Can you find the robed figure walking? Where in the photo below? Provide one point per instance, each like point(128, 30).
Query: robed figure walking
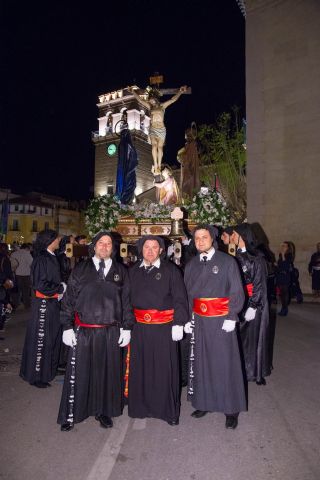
point(41, 350)
point(160, 307)
point(97, 318)
point(254, 326)
point(215, 293)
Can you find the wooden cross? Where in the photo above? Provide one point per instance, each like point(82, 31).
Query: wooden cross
point(157, 79)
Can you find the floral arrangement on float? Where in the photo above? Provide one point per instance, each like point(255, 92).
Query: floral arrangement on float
point(208, 206)
point(105, 212)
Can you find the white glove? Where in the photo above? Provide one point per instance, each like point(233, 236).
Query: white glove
point(69, 338)
point(177, 333)
point(60, 297)
point(250, 314)
point(125, 337)
point(229, 325)
point(188, 327)
point(170, 250)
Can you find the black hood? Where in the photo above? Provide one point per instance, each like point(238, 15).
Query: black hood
point(97, 237)
point(246, 233)
point(214, 232)
point(143, 239)
point(43, 240)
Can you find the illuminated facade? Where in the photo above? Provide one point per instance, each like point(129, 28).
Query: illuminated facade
point(115, 108)
point(28, 215)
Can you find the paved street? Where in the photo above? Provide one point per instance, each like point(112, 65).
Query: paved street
point(278, 439)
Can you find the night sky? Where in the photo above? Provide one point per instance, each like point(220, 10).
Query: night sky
point(57, 57)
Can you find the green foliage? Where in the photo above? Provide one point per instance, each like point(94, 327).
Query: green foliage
point(222, 153)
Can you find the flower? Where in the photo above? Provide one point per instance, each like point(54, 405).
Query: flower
point(209, 207)
point(104, 213)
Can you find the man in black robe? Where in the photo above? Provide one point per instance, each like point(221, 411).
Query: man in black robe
point(254, 325)
point(314, 271)
point(97, 318)
point(160, 306)
point(216, 297)
point(41, 350)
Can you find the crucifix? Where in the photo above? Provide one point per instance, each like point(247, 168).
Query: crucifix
point(157, 129)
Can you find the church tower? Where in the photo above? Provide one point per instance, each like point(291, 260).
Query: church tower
point(116, 108)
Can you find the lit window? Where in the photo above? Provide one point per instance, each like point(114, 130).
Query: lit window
point(110, 189)
point(15, 225)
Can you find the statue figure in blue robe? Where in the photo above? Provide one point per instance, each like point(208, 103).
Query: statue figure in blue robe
point(127, 163)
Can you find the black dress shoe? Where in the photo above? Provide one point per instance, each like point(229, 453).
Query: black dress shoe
point(105, 422)
point(41, 384)
point(199, 413)
point(231, 421)
point(261, 382)
point(173, 422)
point(66, 427)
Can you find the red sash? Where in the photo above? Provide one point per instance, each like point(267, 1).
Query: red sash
point(78, 323)
point(153, 316)
point(249, 289)
point(211, 307)
point(41, 295)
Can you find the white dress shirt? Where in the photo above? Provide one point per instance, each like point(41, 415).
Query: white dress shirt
point(208, 254)
point(107, 263)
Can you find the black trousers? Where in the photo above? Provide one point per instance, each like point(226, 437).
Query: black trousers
point(23, 284)
point(284, 296)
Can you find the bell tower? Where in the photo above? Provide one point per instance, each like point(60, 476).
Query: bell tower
point(116, 109)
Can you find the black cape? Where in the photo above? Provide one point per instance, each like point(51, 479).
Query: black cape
point(41, 350)
point(154, 386)
point(217, 377)
point(94, 377)
point(255, 333)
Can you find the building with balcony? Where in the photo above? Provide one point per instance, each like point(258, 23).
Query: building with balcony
point(31, 213)
point(115, 108)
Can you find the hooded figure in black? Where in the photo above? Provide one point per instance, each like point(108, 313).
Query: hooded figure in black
point(64, 261)
point(254, 327)
point(65, 271)
point(216, 297)
point(41, 350)
point(97, 318)
point(160, 306)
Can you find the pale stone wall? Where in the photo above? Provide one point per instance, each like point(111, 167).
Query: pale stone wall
point(283, 118)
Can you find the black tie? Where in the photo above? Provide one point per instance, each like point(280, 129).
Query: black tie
point(204, 259)
point(101, 269)
point(148, 268)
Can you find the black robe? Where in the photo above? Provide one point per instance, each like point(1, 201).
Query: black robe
point(217, 377)
point(41, 350)
point(255, 334)
point(154, 387)
point(93, 382)
point(314, 269)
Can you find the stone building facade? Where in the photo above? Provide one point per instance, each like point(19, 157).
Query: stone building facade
point(283, 117)
point(113, 108)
